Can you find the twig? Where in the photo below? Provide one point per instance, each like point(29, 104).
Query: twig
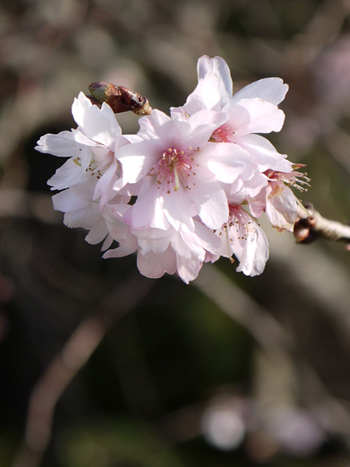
point(311, 225)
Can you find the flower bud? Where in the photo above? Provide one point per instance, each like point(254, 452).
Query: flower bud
point(119, 98)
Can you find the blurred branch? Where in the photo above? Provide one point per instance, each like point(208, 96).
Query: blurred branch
point(275, 342)
point(233, 301)
point(324, 26)
point(69, 362)
point(312, 225)
point(22, 204)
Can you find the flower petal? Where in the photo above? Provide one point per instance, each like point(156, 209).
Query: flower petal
point(155, 266)
point(225, 160)
point(64, 144)
point(147, 212)
point(271, 90)
point(211, 202)
point(100, 125)
point(188, 269)
point(79, 107)
point(137, 159)
point(254, 116)
point(97, 233)
point(218, 66)
point(281, 206)
point(126, 247)
point(178, 208)
point(150, 124)
point(255, 251)
point(214, 87)
point(67, 201)
point(67, 175)
point(265, 154)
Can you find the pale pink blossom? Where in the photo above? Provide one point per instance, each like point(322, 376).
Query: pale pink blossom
point(90, 149)
point(81, 211)
point(242, 237)
point(179, 171)
point(253, 109)
point(161, 251)
point(173, 194)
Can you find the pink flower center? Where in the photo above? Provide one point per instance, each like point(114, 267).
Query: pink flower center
point(173, 168)
point(222, 135)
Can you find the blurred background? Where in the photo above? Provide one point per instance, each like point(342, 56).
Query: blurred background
point(100, 367)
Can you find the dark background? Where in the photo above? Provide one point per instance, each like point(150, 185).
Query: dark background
point(100, 367)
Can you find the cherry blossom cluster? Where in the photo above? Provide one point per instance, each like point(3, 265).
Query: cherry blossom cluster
point(187, 188)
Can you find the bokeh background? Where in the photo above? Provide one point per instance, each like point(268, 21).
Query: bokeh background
point(100, 367)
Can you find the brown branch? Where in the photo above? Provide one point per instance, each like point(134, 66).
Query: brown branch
point(68, 362)
point(311, 225)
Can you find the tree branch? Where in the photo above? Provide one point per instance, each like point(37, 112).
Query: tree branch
point(311, 225)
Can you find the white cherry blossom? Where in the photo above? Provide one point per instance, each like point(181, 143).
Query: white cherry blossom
point(179, 171)
point(90, 148)
point(242, 237)
point(187, 188)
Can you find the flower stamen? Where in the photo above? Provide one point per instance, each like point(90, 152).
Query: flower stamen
point(229, 254)
point(174, 168)
point(222, 135)
point(298, 180)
